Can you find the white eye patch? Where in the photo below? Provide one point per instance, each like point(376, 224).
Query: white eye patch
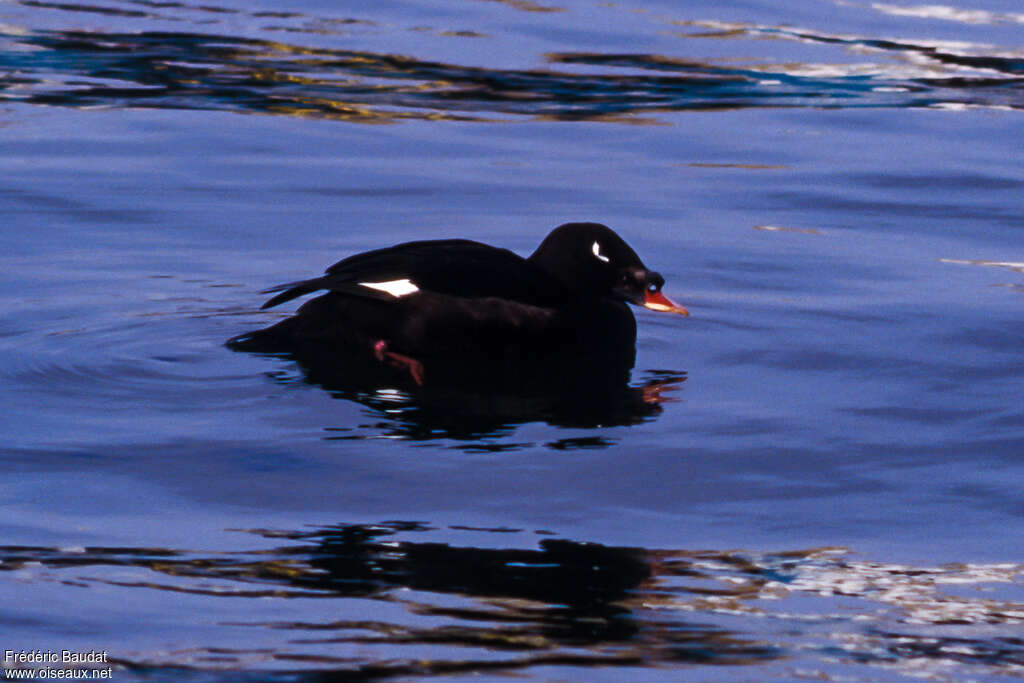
point(596, 249)
point(396, 288)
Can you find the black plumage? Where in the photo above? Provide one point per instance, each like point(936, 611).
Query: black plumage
point(464, 299)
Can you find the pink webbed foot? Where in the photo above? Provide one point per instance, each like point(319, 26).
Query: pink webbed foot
point(399, 361)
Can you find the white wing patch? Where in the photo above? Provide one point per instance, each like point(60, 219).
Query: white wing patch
point(597, 252)
point(396, 288)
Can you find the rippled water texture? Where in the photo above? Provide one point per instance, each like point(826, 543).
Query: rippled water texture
point(415, 606)
point(287, 67)
point(816, 475)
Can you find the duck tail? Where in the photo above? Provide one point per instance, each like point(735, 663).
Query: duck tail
point(292, 290)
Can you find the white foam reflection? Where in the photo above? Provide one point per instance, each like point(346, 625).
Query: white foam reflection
point(947, 13)
point(1016, 266)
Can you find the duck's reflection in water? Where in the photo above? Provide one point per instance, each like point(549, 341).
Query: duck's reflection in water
point(478, 405)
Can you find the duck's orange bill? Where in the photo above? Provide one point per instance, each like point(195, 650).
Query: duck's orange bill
point(656, 301)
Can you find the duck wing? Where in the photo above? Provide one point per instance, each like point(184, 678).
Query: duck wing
point(460, 268)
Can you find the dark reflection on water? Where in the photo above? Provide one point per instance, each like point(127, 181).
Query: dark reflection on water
point(563, 602)
point(232, 73)
point(480, 405)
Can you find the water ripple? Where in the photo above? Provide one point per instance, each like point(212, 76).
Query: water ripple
point(562, 603)
point(205, 71)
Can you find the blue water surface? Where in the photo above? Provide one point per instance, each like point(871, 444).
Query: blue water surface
point(817, 474)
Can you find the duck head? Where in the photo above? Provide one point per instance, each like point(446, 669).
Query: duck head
point(589, 258)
